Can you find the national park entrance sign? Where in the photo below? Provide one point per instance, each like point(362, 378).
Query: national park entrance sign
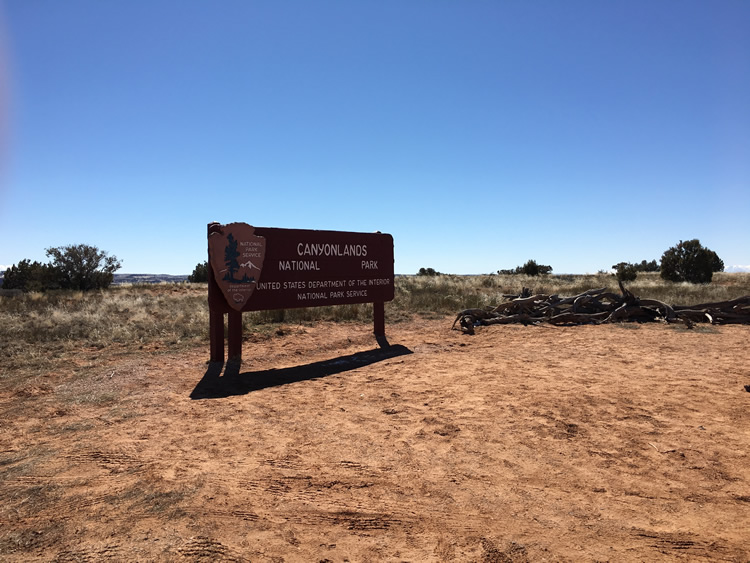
point(260, 268)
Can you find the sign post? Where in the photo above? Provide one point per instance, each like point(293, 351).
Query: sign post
point(255, 269)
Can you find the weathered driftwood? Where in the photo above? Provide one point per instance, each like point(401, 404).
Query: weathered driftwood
point(666, 311)
point(474, 314)
point(597, 306)
point(577, 318)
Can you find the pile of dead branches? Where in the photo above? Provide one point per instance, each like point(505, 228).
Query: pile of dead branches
point(598, 306)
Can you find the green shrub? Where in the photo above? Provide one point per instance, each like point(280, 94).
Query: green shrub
point(83, 267)
point(645, 266)
point(625, 271)
point(31, 276)
point(200, 273)
point(530, 268)
point(691, 262)
point(428, 272)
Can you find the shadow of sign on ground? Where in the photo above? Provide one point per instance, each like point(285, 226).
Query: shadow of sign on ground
point(232, 382)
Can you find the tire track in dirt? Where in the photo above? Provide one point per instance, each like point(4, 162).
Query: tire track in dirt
point(686, 545)
point(347, 494)
point(245, 515)
point(112, 552)
point(349, 519)
point(355, 500)
point(202, 548)
point(113, 461)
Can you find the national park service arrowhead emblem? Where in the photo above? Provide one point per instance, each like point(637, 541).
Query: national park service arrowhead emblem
point(236, 255)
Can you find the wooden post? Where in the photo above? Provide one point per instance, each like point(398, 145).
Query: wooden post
point(235, 336)
point(378, 312)
point(215, 317)
point(216, 333)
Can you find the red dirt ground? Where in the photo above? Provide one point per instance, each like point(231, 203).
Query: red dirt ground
point(606, 443)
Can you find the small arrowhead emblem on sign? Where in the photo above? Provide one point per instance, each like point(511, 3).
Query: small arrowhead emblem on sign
point(236, 256)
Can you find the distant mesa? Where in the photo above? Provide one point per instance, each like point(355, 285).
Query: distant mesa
point(736, 269)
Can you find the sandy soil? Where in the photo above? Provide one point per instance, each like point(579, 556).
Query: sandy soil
point(608, 443)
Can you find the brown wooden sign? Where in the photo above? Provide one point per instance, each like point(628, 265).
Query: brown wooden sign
point(260, 268)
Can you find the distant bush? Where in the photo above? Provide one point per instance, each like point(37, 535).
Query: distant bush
point(80, 266)
point(200, 273)
point(30, 276)
point(428, 272)
point(530, 268)
point(83, 267)
point(625, 271)
point(690, 261)
point(645, 266)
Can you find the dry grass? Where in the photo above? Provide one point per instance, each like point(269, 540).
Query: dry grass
point(105, 317)
point(38, 331)
point(447, 294)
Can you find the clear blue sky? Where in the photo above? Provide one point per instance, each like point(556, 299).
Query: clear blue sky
point(480, 134)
